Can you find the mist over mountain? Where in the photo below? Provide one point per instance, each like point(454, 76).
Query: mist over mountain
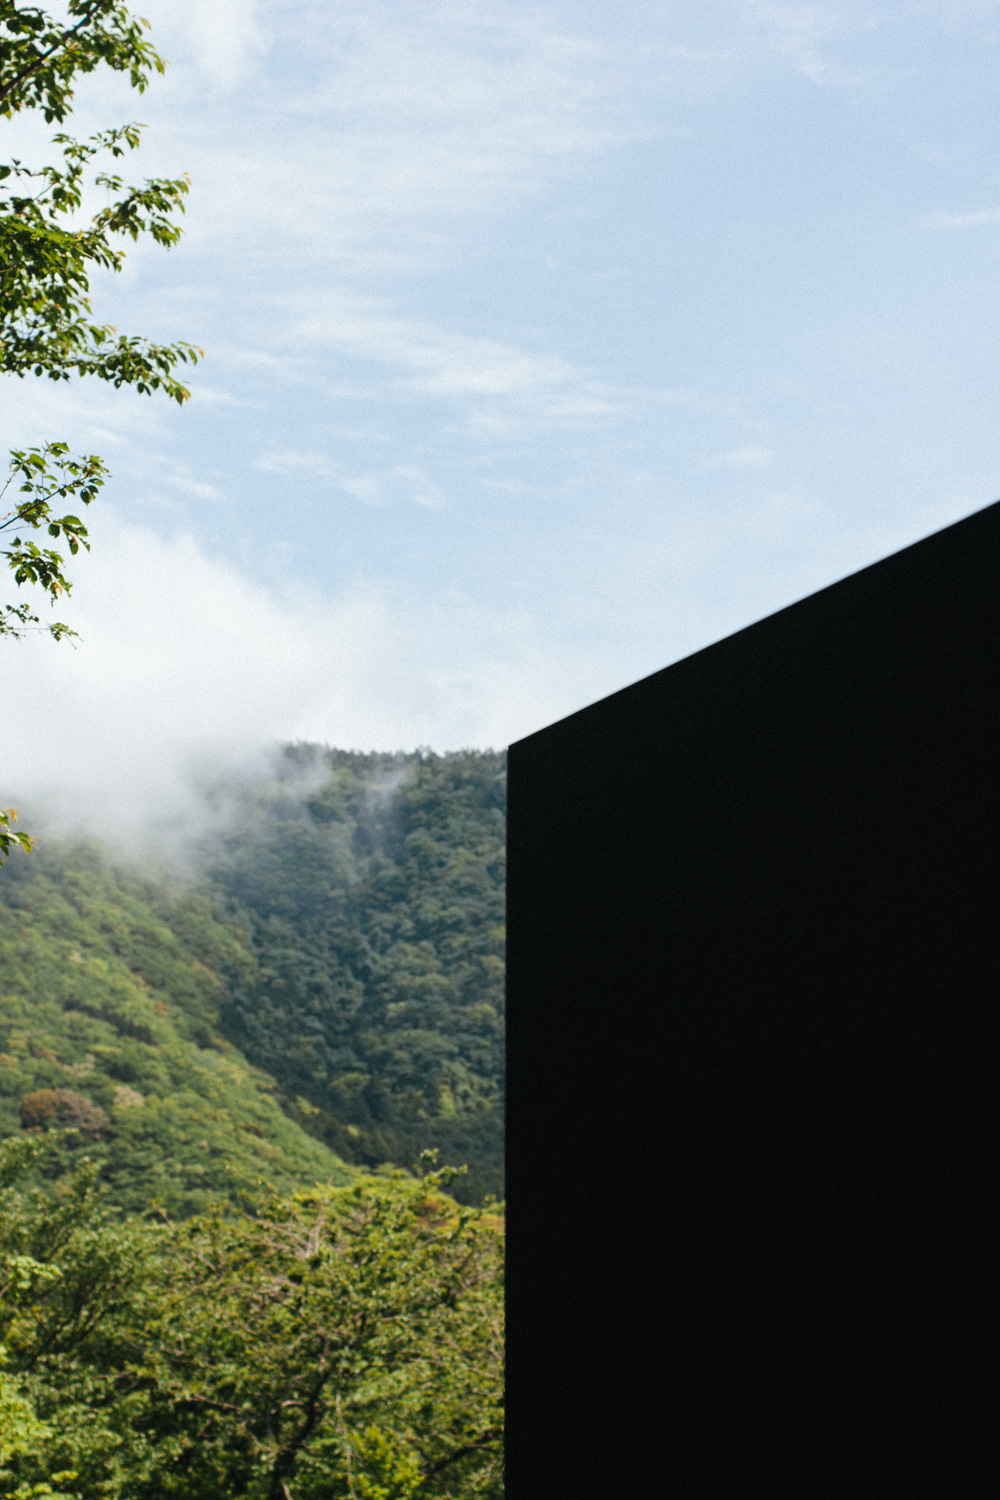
point(374, 904)
point(316, 988)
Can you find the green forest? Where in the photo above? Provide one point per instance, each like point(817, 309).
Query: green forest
point(374, 906)
point(230, 1262)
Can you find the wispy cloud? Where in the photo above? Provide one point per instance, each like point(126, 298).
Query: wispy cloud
point(226, 38)
point(205, 395)
point(430, 115)
point(196, 487)
point(973, 220)
point(84, 413)
point(803, 36)
point(435, 361)
point(381, 487)
point(740, 458)
point(497, 386)
point(397, 483)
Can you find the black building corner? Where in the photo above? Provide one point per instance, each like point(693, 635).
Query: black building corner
point(753, 990)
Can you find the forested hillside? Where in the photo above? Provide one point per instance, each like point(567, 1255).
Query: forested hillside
point(373, 888)
point(199, 1295)
point(325, 989)
point(110, 993)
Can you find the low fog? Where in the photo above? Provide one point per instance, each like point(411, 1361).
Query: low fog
point(186, 674)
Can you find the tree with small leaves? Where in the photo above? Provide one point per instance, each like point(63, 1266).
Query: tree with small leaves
point(334, 1344)
point(47, 255)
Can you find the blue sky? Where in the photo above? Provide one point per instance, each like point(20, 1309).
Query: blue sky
point(544, 345)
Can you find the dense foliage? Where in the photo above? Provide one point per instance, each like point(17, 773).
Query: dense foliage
point(110, 988)
point(338, 1342)
point(199, 1298)
point(373, 888)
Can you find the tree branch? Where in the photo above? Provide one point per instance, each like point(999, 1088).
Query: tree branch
point(488, 1440)
point(44, 57)
point(285, 1463)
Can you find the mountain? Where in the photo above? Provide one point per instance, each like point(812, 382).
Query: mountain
point(111, 988)
point(262, 1048)
point(324, 995)
point(372, 888)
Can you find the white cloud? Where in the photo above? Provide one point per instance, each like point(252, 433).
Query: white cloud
point(81, 413)
point(326, 124)
point(220, 39)
point(368, 140)
point(209, 396)
point(183, 662)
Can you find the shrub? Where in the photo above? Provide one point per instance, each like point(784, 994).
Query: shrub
point(47, 1107)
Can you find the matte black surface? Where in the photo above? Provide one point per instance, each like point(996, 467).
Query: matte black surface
point(752, 1006)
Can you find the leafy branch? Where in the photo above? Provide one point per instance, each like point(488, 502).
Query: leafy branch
point(40, 56)
point(45, 311)
point(49, 476)
point(9, 836)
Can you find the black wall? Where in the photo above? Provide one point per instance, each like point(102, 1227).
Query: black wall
point(753, 992)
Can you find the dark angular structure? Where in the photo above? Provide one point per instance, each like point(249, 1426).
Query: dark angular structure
point(754, 980)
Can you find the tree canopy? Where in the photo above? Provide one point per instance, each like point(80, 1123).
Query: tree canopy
point(337, 1342)
point(372, 887)
point(111, 987)
point(199, 1298)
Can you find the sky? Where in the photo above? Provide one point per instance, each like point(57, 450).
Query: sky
point(544, 345)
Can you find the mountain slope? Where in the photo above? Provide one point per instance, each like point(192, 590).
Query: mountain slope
point(110, 995)
point(373, 886)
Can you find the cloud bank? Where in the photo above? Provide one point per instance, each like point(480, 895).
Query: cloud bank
point(185, 669)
